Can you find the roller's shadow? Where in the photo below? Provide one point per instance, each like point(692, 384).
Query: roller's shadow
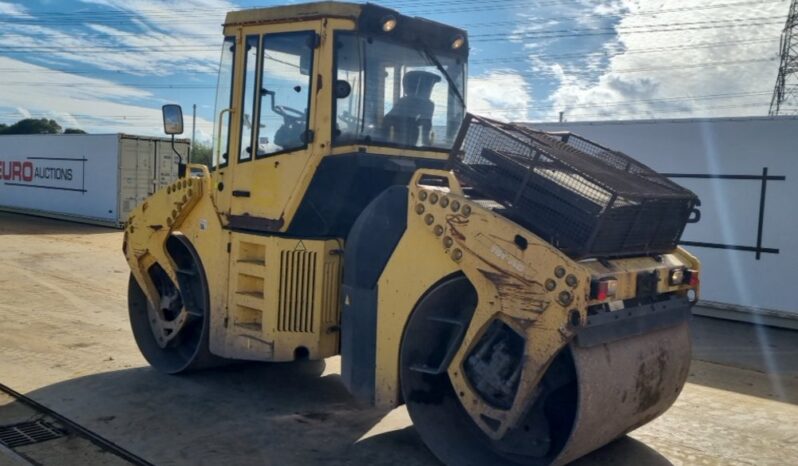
point(255, 414)
point(625, 451)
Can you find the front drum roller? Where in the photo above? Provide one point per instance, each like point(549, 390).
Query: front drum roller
point(587, 398)
point(174, 337)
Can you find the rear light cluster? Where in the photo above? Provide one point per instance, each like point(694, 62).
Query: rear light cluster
point(603, 289)
point(683, 276)
point(606, 288)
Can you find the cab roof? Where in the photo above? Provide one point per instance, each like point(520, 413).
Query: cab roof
point(367, 16)
point(280, 14)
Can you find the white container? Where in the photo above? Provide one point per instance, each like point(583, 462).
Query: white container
point(747, 236)
point(91, 178)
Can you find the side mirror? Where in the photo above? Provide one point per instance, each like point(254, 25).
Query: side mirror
point(172, 119)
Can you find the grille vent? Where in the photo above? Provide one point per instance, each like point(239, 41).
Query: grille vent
point(297, 291)
point(27, 433)
point(330, 287)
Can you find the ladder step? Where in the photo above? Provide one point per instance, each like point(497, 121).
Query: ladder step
point(251, 326)
point(257, 262)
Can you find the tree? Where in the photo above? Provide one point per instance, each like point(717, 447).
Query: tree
point(37, 126)
point(201, 154)
point(32, 126)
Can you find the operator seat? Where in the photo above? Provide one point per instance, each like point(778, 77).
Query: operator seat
point(413, 112)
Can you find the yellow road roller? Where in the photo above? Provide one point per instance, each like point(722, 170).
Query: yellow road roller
point(521, 292)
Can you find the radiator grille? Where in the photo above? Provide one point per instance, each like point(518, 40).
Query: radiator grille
point(329, 304)
point(297, 291)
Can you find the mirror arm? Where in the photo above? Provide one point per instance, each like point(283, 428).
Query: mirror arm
point(181, 167)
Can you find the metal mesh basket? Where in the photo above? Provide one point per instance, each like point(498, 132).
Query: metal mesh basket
point(586, 199)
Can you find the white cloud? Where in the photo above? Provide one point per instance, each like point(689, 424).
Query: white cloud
point(638, 82)
point(23, 112)
point(95, 105)
point(162, 39)
point(13, 10)
point(499, 94)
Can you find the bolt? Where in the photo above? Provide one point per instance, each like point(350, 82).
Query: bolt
point(559, 271)
point(565, 298)
point(422, 195)
point(466, 210)
point(457, 254)
point(444, 201)
point(419, 209)
point(438, 230)
point(429, 219)
point(571, 280)
point(551, 284)
point(455, 206)
point(433, 198)
point(447, 242)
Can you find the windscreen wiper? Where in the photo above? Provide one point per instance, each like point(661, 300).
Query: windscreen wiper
point(452, 84)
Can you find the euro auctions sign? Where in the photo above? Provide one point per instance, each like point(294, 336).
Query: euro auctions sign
point(56, 173)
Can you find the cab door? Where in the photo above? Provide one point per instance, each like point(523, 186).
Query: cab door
point(277, 121)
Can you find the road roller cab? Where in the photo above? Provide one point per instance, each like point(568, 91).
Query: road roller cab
point(523, 293)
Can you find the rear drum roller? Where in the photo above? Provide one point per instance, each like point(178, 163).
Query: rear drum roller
point(587, 398)
point(174, 338)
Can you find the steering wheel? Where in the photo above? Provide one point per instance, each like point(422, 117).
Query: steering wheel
point(351, 121)
point(288, 112)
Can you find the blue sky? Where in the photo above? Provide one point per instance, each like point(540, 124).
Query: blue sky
point(108, 65)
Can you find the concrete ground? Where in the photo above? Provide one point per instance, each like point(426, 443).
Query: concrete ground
point(65, 341)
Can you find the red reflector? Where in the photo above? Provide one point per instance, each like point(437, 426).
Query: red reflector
point(603, 289)
point(692, 278)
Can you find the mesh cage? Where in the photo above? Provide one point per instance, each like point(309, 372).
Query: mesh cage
point(585, 199)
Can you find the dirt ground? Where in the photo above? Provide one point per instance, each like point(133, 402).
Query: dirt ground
point(65, 342)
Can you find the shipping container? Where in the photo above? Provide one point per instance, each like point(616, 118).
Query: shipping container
point(91, 178)
point(745, 230)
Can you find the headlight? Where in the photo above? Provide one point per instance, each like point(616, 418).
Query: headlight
point(676, 276)
point(388, 23)
point(458, 42)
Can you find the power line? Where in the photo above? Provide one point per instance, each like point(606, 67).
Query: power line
point(655, 12)
point(604, 53)
point(643, 29)
point(491, 37)
point(648, 113)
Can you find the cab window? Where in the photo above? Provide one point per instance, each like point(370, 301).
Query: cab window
point(224, 100)
point(248, 98)
point(284, 93)
point(395, 94)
